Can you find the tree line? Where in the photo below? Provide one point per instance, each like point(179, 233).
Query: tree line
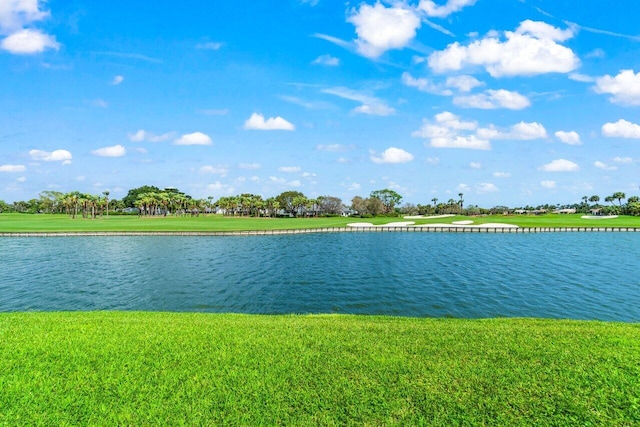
point(153, 201)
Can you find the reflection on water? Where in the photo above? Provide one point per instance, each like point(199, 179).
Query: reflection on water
point(558, 275)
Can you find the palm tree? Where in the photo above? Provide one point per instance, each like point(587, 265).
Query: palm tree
point(619, 195)
point(106, 198)
point(461, 201)
point(451, 204)
point(435, 203)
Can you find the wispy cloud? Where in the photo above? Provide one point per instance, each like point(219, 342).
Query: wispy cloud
point(209, 46)
point(143, 135)
point(338, 42)
point(127, 55)
point(370, 104)
point(215, 112)
point(328, 60)
point(12, 168)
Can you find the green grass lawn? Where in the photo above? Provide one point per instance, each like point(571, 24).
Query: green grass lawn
point(131, 368)
point(63, 223)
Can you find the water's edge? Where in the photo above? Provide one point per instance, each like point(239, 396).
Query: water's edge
point(452, 229)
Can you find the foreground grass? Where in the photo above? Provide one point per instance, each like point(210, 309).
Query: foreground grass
point(129, 368)
point(63, 223)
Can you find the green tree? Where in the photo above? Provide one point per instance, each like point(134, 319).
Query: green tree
point(389, 199)
point(330, 205)
point(286, 201)
point(130, 199)
point(359, 205)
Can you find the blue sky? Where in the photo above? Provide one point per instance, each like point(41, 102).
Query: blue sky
point(509, 102)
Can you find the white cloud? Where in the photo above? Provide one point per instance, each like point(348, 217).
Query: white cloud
point(502, 175)
point(548, 184)
point(196, 138)
point(15, 14)
point(354, 187)
point(63, 156)
point(449, 131)
point(424, 85)
point(452, 121)
point(258, 122)
point(531, 49)
point(621, 129)
point(16, 22)
point(333, 147)
point(28, 41)
point(249, 166)
point(289, 169)
point(370, 104)
point(113, 151)
point(571, 138)
point(117, 80)
point(623, 160)
point(380, 28)
point(22, 179)
point(624, 88)
point(444, 133)
point(392, 155)
point(219, 188)
point(327, 60)
point(434, 11)
point(463, 83)
point(493, 99)
point(521, 131)
point(209, 46)
point(433, 160)
point(12, 168)
point(215, 170)
point(560, 165)
point(470, 142)
point(295, 183)
point(475, 165)
point(143, 135)
point(604, 166)
point(486, 187)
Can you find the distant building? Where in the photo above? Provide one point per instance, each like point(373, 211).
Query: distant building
point(565, 211)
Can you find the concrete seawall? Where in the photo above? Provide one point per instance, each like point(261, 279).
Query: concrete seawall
point(499, 230)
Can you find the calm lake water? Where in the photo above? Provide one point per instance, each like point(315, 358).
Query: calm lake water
point(553, 275)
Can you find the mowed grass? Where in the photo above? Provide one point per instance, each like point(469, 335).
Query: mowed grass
point(63, 223)
point(132, 368)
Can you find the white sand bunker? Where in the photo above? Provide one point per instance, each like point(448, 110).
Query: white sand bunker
point(599, 216)
point(428, 217)
point(466, 222)
point(454, 225)
point(391, 224)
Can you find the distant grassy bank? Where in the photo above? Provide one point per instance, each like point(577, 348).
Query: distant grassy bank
point(63, 223)
point(131, 368)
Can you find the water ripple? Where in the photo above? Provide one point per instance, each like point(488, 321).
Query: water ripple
point(556, 275)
